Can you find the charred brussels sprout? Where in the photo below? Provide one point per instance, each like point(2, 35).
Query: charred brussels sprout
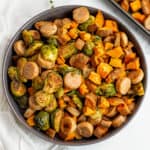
point(52, 41)
point(56, 117)
point(68, 50)
point(13, 73)
point(59, 93)
point(77, 101)
point(17, 88)
point(42, 120)
point(49, 52)
point(52, 105)
point(63, 69)
point(22, 101)
point(42, 98)
point(33, 48)
point(27, 37)
point(37, 83)
point(107, 90)
point(53, 82)
point(88, 48)
point(84, 26)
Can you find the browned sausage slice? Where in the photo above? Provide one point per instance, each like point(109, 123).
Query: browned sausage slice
point(147, 22)
point(100, 131)
point(30, 70)
point(136, 76)
point(124, 39)
point(68, 125)
point(48, 29)
point(79, 44)
point(118, 121)
point(123, 85)
point(79, 60)
point(19, 47)
point(81, 14)
point(72, 80)
point(85, 129)
point(146, 6)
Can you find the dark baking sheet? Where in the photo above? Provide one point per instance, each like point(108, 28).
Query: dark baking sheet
point(130, 17)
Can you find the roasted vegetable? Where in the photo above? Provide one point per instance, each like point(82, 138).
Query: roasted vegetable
point(68, 50)
point(59, 93)
point(37, 83)
point(88, 48)
point(77, 101)
point(106, 90)
point(53, 82)
point(17, 88)
point(13, 73)
point(85, 25)
point(22, 101)
point(52, 41)
point(33, 48)
point(42, 98)
point(49, 52)
point(56, 118)
point(42, 120)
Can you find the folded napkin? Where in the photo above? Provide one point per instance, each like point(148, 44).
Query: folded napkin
point(13, 14)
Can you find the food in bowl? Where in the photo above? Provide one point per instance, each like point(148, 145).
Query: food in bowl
point(139, 10)
point(76, 77)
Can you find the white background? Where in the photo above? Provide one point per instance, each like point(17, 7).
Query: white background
point(14, 13)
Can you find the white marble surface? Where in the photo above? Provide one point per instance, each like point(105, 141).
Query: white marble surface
point(13, 136)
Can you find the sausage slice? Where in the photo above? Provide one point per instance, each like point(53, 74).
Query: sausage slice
point(118, 121)
point(30, 70)
point(136, 76)
point(68, 125)
point(72, 80)
point(79, 60)
point(147, 22)
point(19, 47)
point(85, 129)
point(48, 29)
point(81, 14)
point(123, 85)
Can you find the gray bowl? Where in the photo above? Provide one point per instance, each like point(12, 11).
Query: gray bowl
point(61, 12)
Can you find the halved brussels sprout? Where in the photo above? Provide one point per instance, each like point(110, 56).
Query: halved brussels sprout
point(63, 69)
point(105, 89)
point(49, 52)
point(68, 50)
point(37, 83)
point(59, 93)
point(52, 105)
point(42, 120)
point(27, 37)
point(88, 48)
point(84, 26)
point(13, 73)
point(53, 82)
point(22, 101)
point(52, 41)
point(77, 101)
point(33, 48)
point(42, 98)
point(56, 117)
point(17, 88)
point(20, 66)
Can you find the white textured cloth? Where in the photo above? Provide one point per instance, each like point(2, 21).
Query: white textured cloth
point(13, 136)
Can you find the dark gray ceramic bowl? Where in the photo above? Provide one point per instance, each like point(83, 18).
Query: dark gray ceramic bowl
point(60, 12)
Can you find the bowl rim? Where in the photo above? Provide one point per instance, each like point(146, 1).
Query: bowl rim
point(39, 134)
